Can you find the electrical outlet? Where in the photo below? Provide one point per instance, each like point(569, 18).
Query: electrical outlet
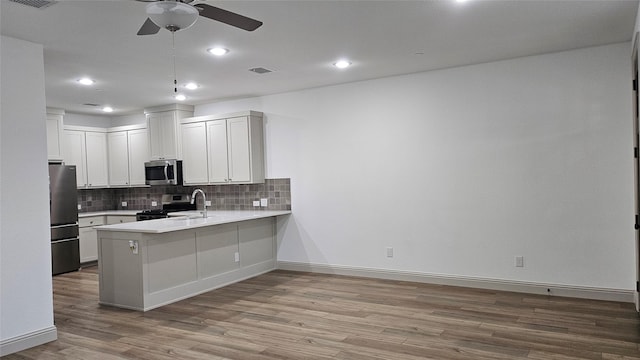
point(154, 203)
point(79, 207)
point(124, 204)
point(519, 261)
point(208, 202)
point(389, 252)
point(263, 202)
point(236, 257)
point(256, 203)
point(133, 245)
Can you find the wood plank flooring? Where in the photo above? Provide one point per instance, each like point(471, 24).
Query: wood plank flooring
point(291, 315)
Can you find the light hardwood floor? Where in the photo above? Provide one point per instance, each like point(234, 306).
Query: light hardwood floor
point(290, 315)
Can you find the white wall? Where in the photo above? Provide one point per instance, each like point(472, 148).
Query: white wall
point(131, 119)
point(87, 120)
point(26, 304)
point(460, 170)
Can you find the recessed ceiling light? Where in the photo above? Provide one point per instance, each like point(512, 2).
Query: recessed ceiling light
point(86, 81)
point(342, 64)
point(192, 86)
point(180, 97)
point(461, 1)
point(107, 109)
point(218, 51)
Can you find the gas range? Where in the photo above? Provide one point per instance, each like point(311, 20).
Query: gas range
point(170, 203)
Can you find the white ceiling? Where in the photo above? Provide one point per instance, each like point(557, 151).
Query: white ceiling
point(299, 41)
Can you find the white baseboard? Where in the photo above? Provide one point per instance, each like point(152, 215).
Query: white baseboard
point(28, 340)
point(620, 295)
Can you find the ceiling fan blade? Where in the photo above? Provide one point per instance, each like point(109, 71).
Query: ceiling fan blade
point(149, 28)
point(228, 17)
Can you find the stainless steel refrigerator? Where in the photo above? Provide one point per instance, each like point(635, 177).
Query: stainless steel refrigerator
point(63, 200)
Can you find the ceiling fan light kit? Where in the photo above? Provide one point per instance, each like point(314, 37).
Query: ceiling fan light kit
point(175, 15)
point(172, 15)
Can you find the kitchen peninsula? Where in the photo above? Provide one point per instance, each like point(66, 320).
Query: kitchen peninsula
point(147, 264)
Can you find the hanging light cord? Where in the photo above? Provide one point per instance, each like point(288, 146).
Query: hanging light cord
point(173, 51)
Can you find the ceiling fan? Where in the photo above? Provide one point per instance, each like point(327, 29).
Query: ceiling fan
point(175, 15)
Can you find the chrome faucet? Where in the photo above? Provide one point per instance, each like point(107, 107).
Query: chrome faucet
point(204, 200)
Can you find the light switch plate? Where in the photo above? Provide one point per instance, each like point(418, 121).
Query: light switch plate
point(124, 204)
point(79, 207)
point(256, 203)
point(237, 257)
point(154, 203)
point(263, 202)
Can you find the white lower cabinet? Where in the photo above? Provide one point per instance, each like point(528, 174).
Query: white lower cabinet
point(89, 238)
point(168, 267)
point(223, 149)
point(89, 235)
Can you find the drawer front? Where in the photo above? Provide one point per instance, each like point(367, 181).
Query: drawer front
point(91, 221)
point(119, 219)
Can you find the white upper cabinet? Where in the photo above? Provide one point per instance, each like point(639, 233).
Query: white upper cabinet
point(163, 123)
point(128, 151)
point(54, 134)
point(75, 154)
point(138, 155)
point(88, 151)
point(230, 147)
point(194, 148)
point(118, 158)
point(217, 149)
point(239, 149)
point(97, 166)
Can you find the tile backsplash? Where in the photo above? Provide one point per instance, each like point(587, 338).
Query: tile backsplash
point(222, 197)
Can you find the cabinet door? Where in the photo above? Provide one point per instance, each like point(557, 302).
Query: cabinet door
point(54, 137)
point(138, 155)
point(118, 158)
point(75, 154)
point(162, 135)
point(97, 159)
point(88, 244)
point(194, 153)
point(217, 149)
point(239, 150)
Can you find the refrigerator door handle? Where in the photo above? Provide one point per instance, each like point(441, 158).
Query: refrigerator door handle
point(64, 240)
point(63, 226)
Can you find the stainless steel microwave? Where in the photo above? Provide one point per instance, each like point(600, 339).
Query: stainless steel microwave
point(163, 172)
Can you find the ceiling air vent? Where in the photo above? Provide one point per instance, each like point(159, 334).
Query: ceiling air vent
point(39, 4)
point(90, 104)
point(260, 70)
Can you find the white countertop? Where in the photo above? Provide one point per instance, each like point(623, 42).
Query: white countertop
point(185, 220)
point(109, 212)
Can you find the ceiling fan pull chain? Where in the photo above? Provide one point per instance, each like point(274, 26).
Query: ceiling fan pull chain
point(173, 50)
